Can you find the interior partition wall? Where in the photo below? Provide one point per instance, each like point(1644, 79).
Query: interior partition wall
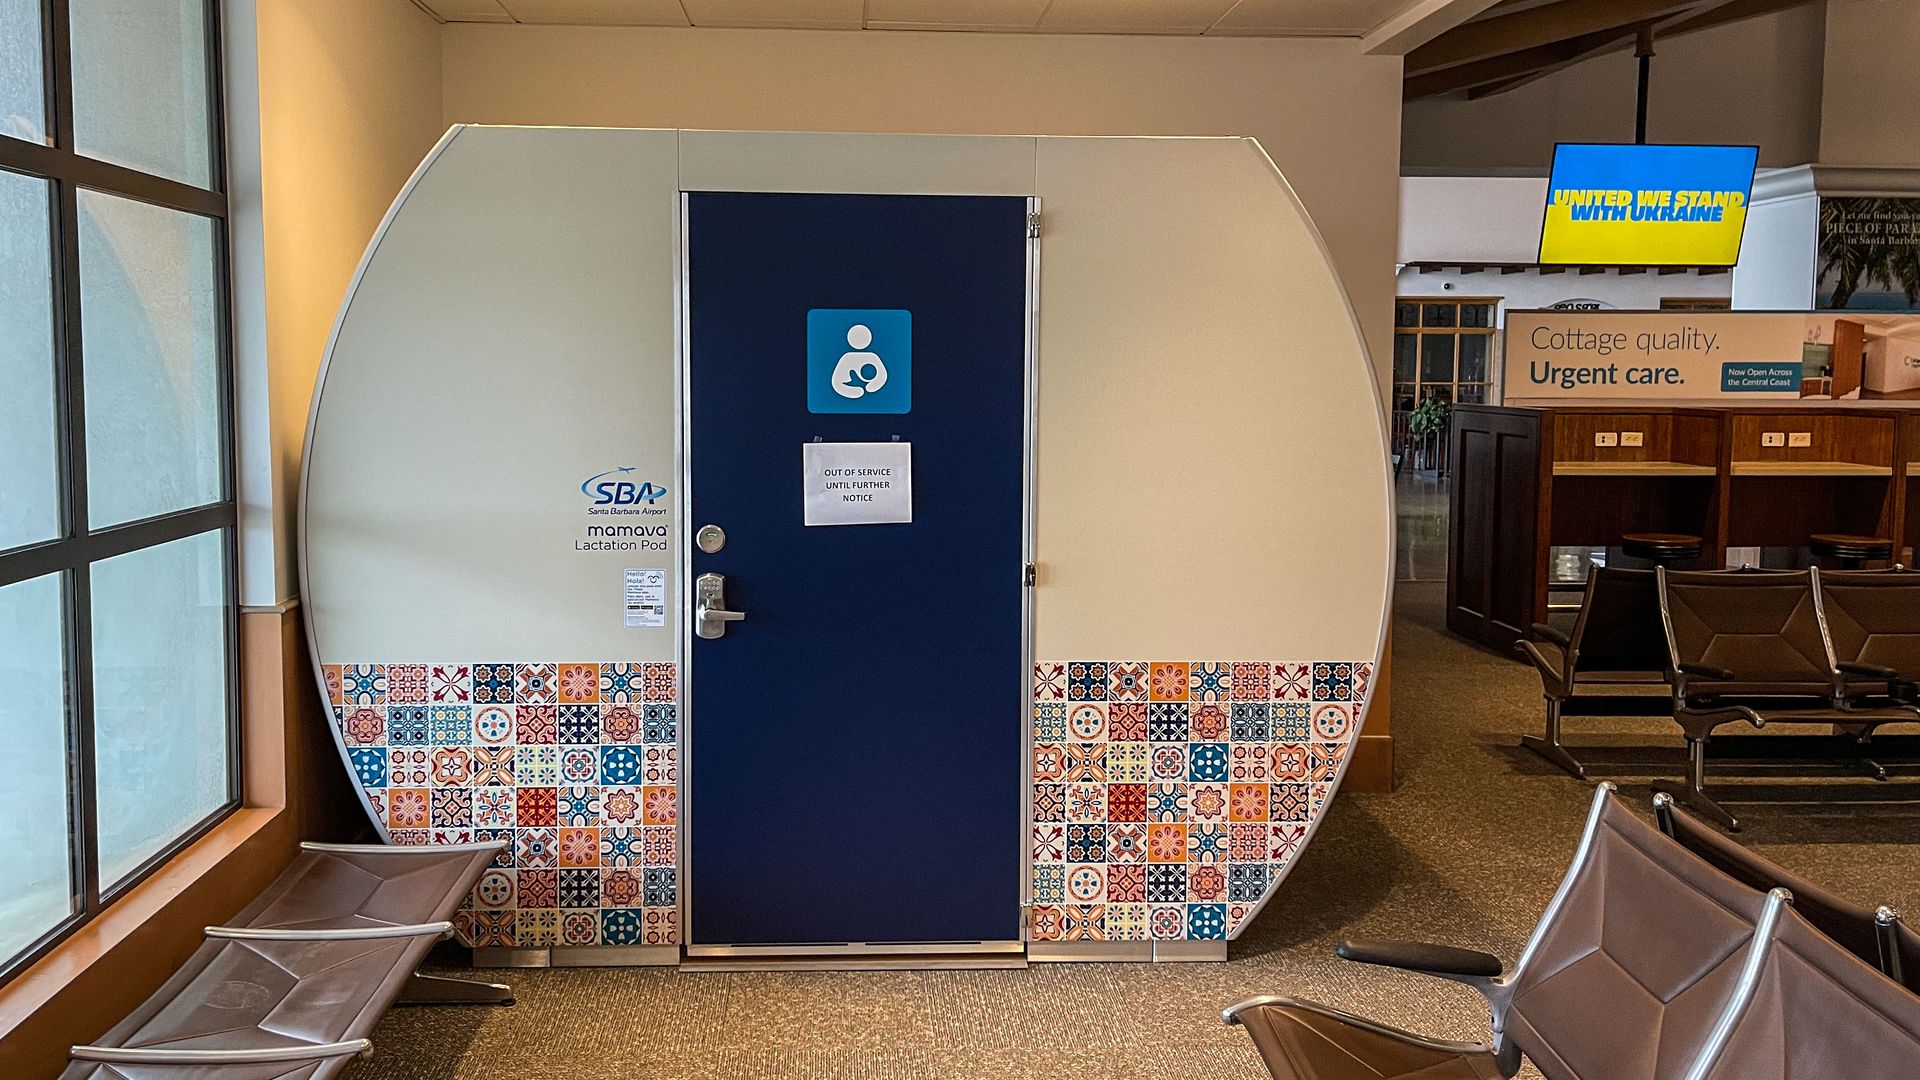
point(563, 429)
point(117, 622)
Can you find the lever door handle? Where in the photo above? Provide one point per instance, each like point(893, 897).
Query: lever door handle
point(710, 614)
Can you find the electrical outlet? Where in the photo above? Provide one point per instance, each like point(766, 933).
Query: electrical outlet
point(1800, 438)
point(1606, 438)
point(1633, 438)
point(1773, 438)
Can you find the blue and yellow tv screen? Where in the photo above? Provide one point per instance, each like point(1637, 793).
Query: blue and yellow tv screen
point(1630, 205)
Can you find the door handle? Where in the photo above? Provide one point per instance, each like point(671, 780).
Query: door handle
point(710, 614)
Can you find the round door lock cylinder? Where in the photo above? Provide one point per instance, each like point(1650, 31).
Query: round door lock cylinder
point(711, 538)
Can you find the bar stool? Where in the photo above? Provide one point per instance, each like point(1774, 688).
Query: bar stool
point(1661, 549)
point(1851, 552)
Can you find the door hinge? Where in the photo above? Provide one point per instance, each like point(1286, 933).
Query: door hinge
point(1029, 573)
point(1033, 225)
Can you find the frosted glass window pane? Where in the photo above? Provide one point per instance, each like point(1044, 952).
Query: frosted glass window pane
point(160, 696)
point(23, 106)
point(29, 464)
point(149, 313)
point(38, 891)
point(140, 86)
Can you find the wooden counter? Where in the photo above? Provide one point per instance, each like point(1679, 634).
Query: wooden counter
point(1527, 480)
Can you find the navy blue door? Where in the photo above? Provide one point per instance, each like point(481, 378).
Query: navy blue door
point(855, 741)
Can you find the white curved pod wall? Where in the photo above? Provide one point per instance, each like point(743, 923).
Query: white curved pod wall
point(1211, 518)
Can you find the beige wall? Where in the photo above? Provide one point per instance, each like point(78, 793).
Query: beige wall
point(349, 97)
point(1872, 83)
point(1327, 114)
point(1755, 81)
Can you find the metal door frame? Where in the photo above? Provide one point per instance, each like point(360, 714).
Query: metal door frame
point(683, 646)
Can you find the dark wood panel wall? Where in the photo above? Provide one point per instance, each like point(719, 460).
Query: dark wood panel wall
point(1701, 472)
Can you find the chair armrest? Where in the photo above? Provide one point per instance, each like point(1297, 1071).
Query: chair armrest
point(1552, 633)
point(1871, 671)
point(1706, 671)
point(1443, 960)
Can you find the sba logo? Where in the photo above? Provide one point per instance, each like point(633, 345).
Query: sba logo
point(859, 360)
point(620, 492)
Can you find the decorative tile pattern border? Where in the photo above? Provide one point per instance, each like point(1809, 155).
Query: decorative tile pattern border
point(1168, 796)
point(576, 765)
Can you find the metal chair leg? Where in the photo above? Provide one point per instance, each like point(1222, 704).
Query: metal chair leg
point(1549, 745)
point(1693, 793)
point(440, 990)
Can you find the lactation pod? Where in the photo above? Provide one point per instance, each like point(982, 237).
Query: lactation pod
point(848, 548)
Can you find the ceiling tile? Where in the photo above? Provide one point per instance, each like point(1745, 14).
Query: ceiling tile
point(1307, 16)
point(799, 14)
point(599, 12)
point(466, 10)
point(955, 14)
point(1134, 16)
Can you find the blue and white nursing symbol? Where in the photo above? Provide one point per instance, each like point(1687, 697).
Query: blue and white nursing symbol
point(859, 360)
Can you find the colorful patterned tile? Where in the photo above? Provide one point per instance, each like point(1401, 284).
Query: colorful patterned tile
point(409, 808)
point(407, 684)
point(363, 684)
point(1250, 721)
point(1127, 721)
point(1086, 884)
point(577, 684)
point(407, 725)
point(1050, 883)
point(620, 682)
point(361, 725)
point(1207, 802)
point(1206, 883)
point(1167, 681)
point(1252, 682)
point(451, 767)
point(493, 724)
point(1332, 681)
point(450, 684)
point(1126, 922)
point(1087, 721)
point(1209, 682)
point(1050, 682)
point(1167, 721)
point(659, 722)
point(493, 766)
point(1126, 681)
point(658, 683)
point(450, 725)
point(534, 684)
point(1332, 721)
point(578, 725)
point(331, 685)
point(1127, 802)
point(1049, 721)
point(1126, 843)
point(492, 684)
point(1087, 680)
point(1211, 721)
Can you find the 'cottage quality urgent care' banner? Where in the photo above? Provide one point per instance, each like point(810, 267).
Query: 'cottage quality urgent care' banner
point(1571, 356)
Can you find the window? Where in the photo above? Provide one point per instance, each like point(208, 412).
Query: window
point(1441, 349)
point(117, 617)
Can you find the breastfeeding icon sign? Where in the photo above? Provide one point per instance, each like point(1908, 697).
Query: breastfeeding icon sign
point(859, 360)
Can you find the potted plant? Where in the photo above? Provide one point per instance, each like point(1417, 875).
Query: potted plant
point(1428, 423)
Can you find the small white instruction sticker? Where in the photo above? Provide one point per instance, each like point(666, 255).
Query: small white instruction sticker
point(857, 483)
point(645, 596)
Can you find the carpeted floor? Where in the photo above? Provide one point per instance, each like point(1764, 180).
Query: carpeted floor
point(1467, 851)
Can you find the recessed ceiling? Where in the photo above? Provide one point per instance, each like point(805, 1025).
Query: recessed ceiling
point(1175, 17)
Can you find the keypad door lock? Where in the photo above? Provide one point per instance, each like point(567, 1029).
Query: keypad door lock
point(710, 614)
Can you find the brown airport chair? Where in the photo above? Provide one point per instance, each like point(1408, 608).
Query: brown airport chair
point(297, 981)
point(1749, 648)
point(1634, 961)
point(1816, 1012)
point(1872, 620)
point(1615, 642)
point(1876, 936)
